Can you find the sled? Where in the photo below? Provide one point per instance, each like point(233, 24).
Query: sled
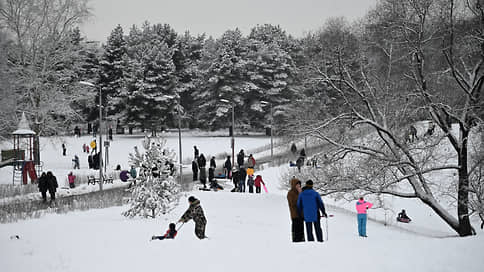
point(265, 188)
point(404, 220)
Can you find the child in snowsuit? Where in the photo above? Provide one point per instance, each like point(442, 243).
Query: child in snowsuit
point(195, 212)
point(72, 179)
point(257, 183)
point(361, 207)
point(170, 233)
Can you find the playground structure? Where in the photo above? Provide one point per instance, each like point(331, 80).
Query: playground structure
point(24, 157)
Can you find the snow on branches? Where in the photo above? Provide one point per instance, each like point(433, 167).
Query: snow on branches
point(158, 192)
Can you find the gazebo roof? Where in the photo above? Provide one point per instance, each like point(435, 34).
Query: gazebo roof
point(23, 127)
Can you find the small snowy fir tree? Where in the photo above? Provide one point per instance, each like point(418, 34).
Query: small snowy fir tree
point(158, 192)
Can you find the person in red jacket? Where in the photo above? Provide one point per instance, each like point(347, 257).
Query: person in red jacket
point(170, 233)
point(257, 183)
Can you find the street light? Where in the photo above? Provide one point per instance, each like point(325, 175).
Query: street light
point(86, 83)
point(233, 128)
point(272, 120)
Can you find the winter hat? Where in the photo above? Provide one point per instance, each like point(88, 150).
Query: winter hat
point(191, 199)
point(309, 183)
point(172, 226)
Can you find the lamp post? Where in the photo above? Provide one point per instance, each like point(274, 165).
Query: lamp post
point(272, 128)
point(179, 140)
point(233, 129)
point(86, 83)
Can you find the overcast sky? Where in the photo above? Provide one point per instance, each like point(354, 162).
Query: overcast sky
point(216, 16)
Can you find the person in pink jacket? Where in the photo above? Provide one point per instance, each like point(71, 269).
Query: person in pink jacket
point(361, 207)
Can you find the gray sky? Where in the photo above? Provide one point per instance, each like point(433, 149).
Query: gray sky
point(216, 16)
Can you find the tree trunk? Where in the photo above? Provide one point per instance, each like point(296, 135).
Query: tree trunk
point(465, 228)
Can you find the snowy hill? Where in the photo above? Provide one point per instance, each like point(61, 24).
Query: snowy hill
point(247, 233)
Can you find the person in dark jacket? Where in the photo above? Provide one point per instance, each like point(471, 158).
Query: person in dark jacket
point(202, 162)
point(43, 186)
point(228, 168)
point(64, 149)
point(403, 217)
point(213, 164)
point(297, 221)
point(309, 203)
point(195, 151)
point(170, 233)
point(241, 158)
point(51, 185)
point(242, 177)
point(235, 180)
point(195, 212)
point(195, 170)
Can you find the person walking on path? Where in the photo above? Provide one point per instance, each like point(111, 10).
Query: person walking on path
point(297, 221)
point(309, 203)
point(75, 160)
point(195, 212)
point(43, 186)
point(52, 185)
point(228, 168)
point(257, 183)
point(361, 207)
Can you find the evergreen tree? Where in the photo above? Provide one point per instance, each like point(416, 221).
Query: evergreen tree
point(158, 192)
point(111, 77)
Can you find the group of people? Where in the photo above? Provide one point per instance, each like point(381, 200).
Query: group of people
point(47, 182)
point(306, 208)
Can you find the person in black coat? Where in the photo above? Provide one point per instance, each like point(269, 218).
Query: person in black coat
point(195, 151)
point(202, 162)
point(51, 185)
point(227, 167)
point(212, 163)
point(195, 170)
point(241, 158)
point(43, 186)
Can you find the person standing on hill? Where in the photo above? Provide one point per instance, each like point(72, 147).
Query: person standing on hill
point(195, 212)
point(241, 158)
point(258, 183)
point(195, 151)
point(195, 170)
point(43, 186)
point(297, 221)
point(309, 203)
point(52, 185)
point(228, 168)
point(251, 161)
point(361, 207)
point(213, 164)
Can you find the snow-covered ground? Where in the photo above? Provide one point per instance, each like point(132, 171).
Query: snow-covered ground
point(247, 232)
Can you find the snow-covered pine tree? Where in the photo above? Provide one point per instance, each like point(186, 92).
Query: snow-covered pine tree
point(111, 77)
point(158, 192)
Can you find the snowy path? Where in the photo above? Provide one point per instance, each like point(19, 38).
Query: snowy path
point(247, 233)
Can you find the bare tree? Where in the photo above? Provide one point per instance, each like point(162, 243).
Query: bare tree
point(41, 49)
point(398, 84)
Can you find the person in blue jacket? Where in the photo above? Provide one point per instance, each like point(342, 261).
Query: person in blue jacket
point(309, 203)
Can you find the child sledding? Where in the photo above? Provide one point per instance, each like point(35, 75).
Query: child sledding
point(402, 217)
point(170, 233)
